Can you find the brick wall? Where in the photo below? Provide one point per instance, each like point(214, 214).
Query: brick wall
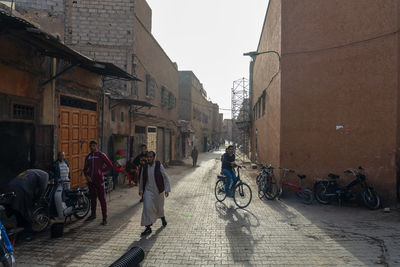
point(48, 5)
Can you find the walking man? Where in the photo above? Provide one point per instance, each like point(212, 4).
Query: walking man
point(96, 164)
point(194, 155)
point(228, 163)
point(154, 184)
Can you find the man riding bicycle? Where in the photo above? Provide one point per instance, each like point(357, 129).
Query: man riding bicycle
point(228, 163)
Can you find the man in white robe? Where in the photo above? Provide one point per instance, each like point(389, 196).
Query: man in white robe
point(154, 184)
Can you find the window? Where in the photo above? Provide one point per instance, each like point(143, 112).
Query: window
point(259, 108)
point(77, 103)
point(263, 103)
point(171, 101)
point(164, 96)
point(140, 130)
point(150, 86)
point(152, 130)
point(23, 112)
point(122, 116)
point(254, 113)
point(112, 115)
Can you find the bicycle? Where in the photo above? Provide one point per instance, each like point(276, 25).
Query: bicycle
point(304, 194)
point(242, 192)
point(266, 184)
point(7, 258)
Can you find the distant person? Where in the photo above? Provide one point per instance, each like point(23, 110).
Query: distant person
point(154, 184)
point(60, 169)
point(141, 160)
point(228, 163)
point(28, 187)
point(131, 171)
point(194, 155)
point(96, 164)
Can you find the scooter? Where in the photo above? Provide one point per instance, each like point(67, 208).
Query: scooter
point(328, 190)
point(60, 203)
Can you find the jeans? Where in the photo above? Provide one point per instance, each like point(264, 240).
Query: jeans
point(231, 176)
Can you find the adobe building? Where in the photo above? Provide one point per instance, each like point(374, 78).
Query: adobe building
point(332, 101)
point(51, 99)
point(195, 108)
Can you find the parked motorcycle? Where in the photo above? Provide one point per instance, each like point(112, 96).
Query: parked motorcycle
point(60, 203)
point(327, 191)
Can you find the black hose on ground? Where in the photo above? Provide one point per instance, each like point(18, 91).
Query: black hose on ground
point(131, 258)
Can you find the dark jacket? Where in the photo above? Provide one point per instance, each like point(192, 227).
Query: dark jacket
point(227, 160)
point(28, 188)
point(195, 153)
point(140, 161)
point(56, 170)
point(157, 175)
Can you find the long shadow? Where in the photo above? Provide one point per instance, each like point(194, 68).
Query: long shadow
point(344, 225)
point(238, 230)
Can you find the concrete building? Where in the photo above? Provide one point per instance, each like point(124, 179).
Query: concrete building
point(332, 101)
point(160, 87)
point(202, 114)
point(51, 99)
point(120, 32)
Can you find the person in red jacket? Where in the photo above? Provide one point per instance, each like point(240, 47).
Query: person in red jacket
point(96, 164)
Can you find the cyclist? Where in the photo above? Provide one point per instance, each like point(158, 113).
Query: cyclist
point(228, 163)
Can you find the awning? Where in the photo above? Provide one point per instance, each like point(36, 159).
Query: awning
point(130, 101)
point(50, 46)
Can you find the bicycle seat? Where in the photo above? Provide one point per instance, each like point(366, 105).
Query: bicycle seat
point(221, 177)
point(333, 176)
point(301, 176)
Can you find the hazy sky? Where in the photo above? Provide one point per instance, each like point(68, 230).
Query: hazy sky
point(209, 38)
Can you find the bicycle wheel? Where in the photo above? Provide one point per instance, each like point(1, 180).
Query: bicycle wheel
point(219, 191)
point(242, 196)
point(259, 179)
point(320, 194)
point(306, 196)
point(271, 191)
point(370, 198)
point(261, 188)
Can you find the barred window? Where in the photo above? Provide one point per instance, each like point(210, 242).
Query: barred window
point(23, 112)
point(171, 101)
point(150, 86)
point(164, 96)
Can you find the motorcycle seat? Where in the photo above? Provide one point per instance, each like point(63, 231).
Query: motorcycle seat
point(333, 176)
point(301, 176)
point(71, 192)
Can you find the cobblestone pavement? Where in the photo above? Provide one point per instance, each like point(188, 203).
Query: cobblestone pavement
point(203, 232)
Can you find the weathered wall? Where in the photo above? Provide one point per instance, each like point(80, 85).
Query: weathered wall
point(332, 77)
point(268, 125)
point(185, 96)
point(144, 13)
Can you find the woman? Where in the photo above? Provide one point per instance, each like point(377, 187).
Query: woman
point(61, 170)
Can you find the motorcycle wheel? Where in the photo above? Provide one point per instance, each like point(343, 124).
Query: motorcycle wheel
point(41, 219)
point(370, 198)
point(84, 203)
point(320, 194)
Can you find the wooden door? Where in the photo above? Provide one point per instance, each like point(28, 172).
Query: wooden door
point(76, 128)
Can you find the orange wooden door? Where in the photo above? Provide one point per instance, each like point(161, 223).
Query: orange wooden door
point(76, 128)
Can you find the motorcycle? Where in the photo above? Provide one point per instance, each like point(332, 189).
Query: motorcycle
point(327, 191)
point(61, 203)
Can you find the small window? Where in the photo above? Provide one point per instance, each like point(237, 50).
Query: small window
point(112, 115)
point(122, 116)
point(152, 130)
point(140, 130)
point(259, 108)
point(263, 103)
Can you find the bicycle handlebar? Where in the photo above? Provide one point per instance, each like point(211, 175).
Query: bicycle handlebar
point(286, 170)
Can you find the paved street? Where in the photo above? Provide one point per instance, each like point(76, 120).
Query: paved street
point(203, 232)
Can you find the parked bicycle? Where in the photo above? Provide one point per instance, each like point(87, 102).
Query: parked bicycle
point(242, 192)
point(266, 184)
point(304, 194)
point(7, 258)
point(327, 191)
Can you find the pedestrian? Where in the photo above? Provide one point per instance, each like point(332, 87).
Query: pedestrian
point(96, 164)
point(131, 171)
point(28, 187)
point(154, 184)
point(194, 155)
point(228, 163)
point(141, 160)
point(60, 170)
